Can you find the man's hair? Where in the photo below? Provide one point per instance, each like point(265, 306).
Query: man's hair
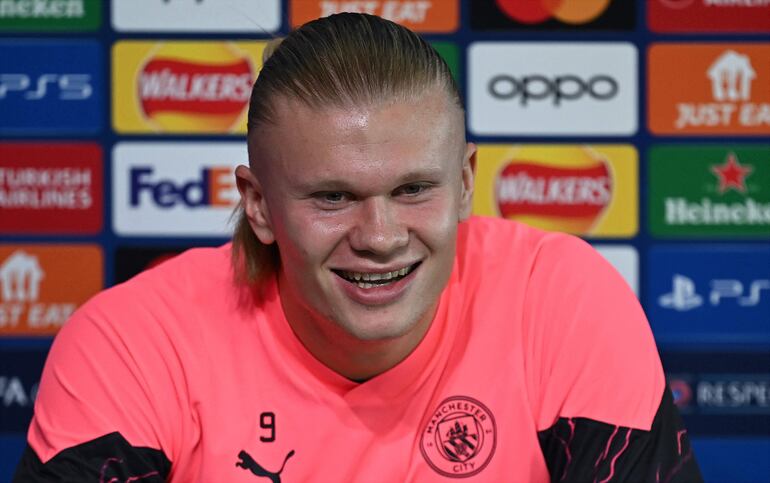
point(345, 60)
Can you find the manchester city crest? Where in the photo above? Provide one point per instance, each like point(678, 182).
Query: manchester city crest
point(460, 437)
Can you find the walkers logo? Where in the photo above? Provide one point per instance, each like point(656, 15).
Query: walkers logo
point(50, 15)
point(50, 87)
point(721, 393)
point(42, 285)
point(20, 370)
point(710, 296)
point(427, 16)
point(586, 190)
point(709, 15)
point(50, 188)
point(197, 16)
point(553, 14)
point(183, 87)
point(549, 88)
point(625, 260)
point(182, 189)
point(709, 89)
point(727, 193)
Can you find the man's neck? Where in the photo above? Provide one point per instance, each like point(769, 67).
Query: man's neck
point(356, 359)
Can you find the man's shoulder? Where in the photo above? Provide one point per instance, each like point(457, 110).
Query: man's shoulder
point(173, 290)
point(499, 241)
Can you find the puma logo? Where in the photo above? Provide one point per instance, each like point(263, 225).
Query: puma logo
point(248, 463)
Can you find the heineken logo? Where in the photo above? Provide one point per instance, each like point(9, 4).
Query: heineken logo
point(50, 15)
point(680, 211)
point(710, 191)
point(731, 174)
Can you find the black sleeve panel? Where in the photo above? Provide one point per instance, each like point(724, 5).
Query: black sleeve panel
point(580, 449)
point(109, 458)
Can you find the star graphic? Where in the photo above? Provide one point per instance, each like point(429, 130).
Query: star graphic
point(731, 174)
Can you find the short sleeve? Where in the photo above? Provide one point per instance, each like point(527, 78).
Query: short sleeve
point(591, 352)
point(596, 382)
point(112, 385)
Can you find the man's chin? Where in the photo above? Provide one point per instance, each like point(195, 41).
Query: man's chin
point(377, 330)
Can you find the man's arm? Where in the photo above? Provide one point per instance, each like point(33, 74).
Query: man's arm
point(110, 406)
point(109, 458)
point(581, 449)
point(603, 410)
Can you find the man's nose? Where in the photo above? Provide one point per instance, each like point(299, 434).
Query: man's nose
point(378, 228)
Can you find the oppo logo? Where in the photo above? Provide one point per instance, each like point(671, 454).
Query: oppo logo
point(538, 87)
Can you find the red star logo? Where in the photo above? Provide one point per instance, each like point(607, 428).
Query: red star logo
point(732, 174)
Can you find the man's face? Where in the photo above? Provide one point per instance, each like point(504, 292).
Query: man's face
point(364, 205)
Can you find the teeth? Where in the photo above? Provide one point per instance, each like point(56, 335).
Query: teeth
point(361, 279)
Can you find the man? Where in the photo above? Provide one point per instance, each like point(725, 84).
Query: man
point(361, 327)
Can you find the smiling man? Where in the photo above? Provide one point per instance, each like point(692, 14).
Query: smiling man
point(361, 326)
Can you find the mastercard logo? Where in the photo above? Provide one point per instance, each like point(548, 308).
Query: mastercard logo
point(568, 11)
point(569, 196)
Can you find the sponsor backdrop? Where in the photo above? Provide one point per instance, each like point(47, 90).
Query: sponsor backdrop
point(641, 126)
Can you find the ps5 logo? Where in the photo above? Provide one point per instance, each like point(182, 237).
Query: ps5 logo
point(684, 296)
point(70, 87)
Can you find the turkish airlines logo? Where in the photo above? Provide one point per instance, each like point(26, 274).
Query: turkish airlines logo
point(50, 187)
point(678, 4)
point(567, 11)
point(733, 16)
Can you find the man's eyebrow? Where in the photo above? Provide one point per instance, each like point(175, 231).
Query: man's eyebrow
point(433, 173)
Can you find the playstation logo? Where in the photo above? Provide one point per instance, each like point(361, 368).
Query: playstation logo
point(682, 296)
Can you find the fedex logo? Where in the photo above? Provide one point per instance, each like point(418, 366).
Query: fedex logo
point(213, 187)
point(66, 87)
point(175, 188)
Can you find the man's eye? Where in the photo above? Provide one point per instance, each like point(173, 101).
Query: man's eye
point(413, 189)
point(333, 197)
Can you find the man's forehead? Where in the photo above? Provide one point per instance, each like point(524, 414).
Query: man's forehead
point(430, 119)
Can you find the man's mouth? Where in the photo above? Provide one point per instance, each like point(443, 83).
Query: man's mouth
point(375, 279)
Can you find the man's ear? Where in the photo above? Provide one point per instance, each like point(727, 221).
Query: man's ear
point(254, 204)
point(468, 175)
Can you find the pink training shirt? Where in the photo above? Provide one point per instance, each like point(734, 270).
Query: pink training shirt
point(537, 343)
